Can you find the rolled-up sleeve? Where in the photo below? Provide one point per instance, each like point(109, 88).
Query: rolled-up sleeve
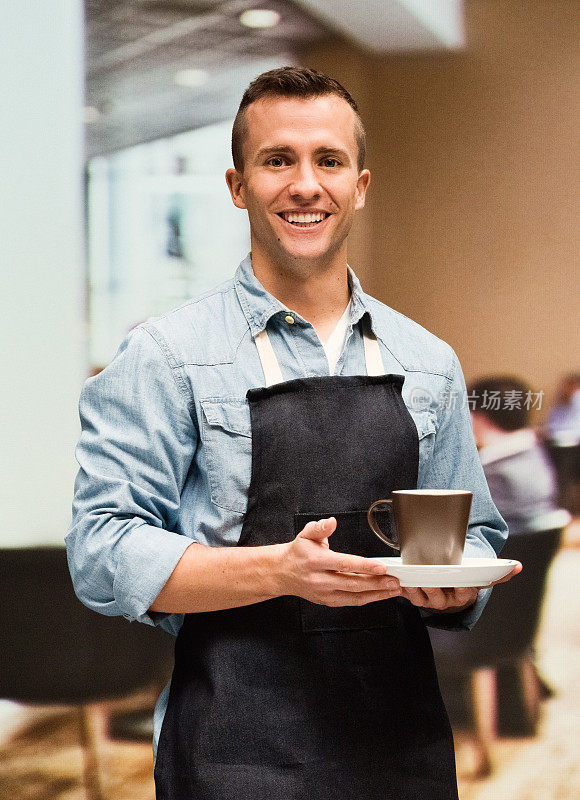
point(137, 443)
point(455, 464)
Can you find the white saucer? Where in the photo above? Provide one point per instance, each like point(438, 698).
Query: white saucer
point(471, 572)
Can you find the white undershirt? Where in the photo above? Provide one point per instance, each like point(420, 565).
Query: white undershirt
point(334, 344)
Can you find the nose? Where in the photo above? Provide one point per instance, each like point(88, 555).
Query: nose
point(304, 182)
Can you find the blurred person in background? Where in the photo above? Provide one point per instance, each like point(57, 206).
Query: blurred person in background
point(563, 423)
point(562, 435)
point(524, 487)
point(519, 472)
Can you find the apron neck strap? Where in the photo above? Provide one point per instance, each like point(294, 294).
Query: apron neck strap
point(272, 373)
point(271, 367)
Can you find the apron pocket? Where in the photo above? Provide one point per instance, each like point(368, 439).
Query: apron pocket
point(352, 535)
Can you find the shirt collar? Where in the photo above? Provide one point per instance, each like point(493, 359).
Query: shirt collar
point(259, 305)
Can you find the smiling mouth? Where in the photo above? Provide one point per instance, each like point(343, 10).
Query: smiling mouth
point(303, 219)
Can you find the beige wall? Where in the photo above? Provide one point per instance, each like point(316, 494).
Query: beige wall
point(469, 226)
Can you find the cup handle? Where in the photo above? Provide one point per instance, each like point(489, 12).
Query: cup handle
point(373, 524)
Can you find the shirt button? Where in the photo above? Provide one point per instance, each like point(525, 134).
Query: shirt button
point(289, 319)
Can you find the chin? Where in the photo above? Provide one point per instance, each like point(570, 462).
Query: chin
point(309, 252)
point(306, 258)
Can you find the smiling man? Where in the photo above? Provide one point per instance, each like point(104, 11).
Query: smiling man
point(228, 456)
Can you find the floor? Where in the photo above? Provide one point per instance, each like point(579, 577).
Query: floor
point(40, 758)
point(546, 767)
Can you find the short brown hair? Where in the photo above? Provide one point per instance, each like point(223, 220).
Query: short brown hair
point(501, 400)
point(292, 82)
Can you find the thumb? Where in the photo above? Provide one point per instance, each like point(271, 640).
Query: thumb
point(319, 530)
point(515, 571)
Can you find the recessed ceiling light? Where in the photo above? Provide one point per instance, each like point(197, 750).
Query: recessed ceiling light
point(259, 18)
point(191, 78)
point(91, 114)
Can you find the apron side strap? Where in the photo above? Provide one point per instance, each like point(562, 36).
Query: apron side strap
point(270, 366)
point(373, 356)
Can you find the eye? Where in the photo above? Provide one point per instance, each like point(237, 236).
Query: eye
point(276, 161)
point(330, 162)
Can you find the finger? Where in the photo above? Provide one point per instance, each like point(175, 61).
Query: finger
point(459, 597)
point(416, 595)
point(361, 598)
point(349, 582)
point(466, 595)
point(436, 598)
point(318, 530)
point(344, 562)
point(515, 571)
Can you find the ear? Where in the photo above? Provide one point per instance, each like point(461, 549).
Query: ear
point(235, 182)
point(362, 185)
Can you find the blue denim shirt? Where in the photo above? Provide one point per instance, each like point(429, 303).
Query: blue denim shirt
point(165, 450)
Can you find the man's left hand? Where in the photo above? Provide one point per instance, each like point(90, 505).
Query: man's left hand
point(449, 600)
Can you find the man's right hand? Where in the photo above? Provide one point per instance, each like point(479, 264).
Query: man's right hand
point(214, 578)
point(310, 569)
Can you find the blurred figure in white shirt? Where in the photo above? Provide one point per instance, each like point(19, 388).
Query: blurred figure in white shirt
point(563, 426)
point(519, 472)
point(562, 434)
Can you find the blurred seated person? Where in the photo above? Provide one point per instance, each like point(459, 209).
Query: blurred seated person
point(523, 485)
point(519, 472)
point(562, 434)
point(563, 425)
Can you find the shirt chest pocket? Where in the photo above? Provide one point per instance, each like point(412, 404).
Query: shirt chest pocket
point(227, 445)
point(426, 423)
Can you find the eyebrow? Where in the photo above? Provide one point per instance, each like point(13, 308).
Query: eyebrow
point(285, 149)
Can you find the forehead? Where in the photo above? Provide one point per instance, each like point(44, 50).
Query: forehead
point(327, 121)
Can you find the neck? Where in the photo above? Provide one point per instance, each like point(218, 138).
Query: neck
point(320, 294)
point(491, 436)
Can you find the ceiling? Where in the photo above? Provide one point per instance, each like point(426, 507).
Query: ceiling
point(383, 26)
point(135, 48)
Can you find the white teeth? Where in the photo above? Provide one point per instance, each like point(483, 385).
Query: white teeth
point(317, 216)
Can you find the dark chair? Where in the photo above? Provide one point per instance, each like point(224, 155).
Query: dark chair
point(502, 638)
point(566, 461)
point(55, 650)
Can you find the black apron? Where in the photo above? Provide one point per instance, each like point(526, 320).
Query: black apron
point(290, 700)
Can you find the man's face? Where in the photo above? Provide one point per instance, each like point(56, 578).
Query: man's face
point(300, 182)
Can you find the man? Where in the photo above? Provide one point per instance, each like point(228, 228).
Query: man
point(228, 457)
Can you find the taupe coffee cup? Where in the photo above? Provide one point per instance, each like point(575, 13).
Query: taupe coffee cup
point(430, 524)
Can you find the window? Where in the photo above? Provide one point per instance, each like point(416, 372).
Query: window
point(161, 229)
